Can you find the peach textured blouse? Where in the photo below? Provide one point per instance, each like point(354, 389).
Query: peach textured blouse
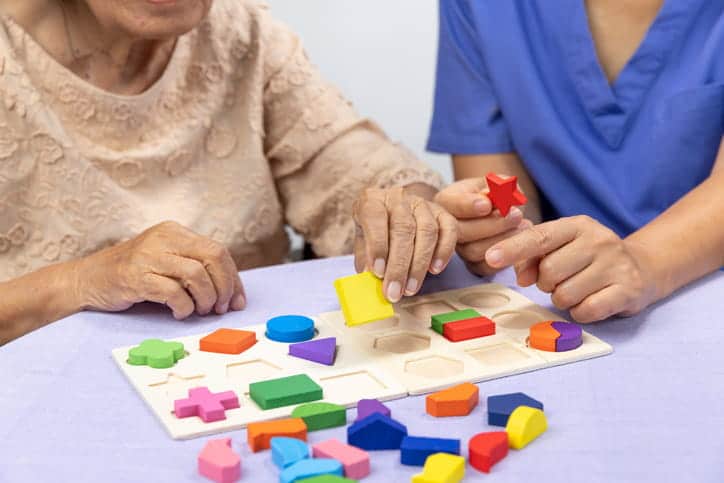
point(239, 137)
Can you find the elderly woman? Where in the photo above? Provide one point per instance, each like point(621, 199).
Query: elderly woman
point(121, 115)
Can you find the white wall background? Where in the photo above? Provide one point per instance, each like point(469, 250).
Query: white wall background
point(381, 54)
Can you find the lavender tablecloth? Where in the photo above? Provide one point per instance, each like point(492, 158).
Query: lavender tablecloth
point(652, 411)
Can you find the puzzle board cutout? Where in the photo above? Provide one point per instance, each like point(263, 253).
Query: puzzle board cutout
point(385, 360)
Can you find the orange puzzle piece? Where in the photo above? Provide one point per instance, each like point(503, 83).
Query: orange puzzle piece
point(228, 341)
point(455, 401)
point(259, 435)
point(543, 336)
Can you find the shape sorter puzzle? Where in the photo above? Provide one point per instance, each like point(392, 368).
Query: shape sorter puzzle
point(384, 360)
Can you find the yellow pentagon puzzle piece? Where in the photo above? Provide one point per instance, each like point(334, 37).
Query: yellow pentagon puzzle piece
point(441, 468)
point(524, 425)
point(361, 299)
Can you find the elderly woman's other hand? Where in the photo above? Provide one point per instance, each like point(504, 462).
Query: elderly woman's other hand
point(401, 237)
point(168, 264)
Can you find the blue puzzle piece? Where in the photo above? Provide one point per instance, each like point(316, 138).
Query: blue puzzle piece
point(376, 431)
point(415, 450)
point(290, 328)
point(307, 468)
point(501, 406)
point(287, 451)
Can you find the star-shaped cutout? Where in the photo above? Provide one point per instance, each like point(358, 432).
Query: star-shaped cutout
point(504, 193)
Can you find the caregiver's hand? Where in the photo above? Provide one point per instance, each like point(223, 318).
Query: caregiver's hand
point(585, 266)
point(400, 237)
point(168, 264)
point(479, 227)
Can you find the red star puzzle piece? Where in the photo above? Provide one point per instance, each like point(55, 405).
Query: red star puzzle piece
point(504, 193)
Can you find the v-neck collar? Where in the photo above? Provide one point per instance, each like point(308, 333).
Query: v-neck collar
point(610, 107)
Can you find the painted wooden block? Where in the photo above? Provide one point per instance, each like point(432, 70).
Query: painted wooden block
point(458, 400)
point(327, 479)
point(376, 432)
point(414, 450)
point(504, 193)
point(310, 467)
point(285, 391)
point(228, 341)
point(555, 336)
point(259, 435)
point(365, 407)
point(467, 329)
point(500, 406)
point(524, 425)
point(321, 415)
point(486, 449)
point(156, 353)
point(317, 350)
point(441, 468)
point(355, 461)
point(361, 299)
point(205, 404)
point(439, 320)
point(218, 462)
point(289, 328)
point(287, 451)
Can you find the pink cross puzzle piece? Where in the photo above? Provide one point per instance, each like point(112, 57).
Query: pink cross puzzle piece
point(205, 404)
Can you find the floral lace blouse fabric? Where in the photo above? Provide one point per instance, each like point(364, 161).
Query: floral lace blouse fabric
point(239, 137)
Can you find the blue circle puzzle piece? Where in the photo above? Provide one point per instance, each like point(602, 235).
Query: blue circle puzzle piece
point(290, 328)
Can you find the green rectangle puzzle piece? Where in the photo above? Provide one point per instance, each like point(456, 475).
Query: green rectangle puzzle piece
point(439, 320)
point(285, 391)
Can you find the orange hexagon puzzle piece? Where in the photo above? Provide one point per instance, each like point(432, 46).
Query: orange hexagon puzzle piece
point(227, 341)
point(455, 401)
point(259, 435)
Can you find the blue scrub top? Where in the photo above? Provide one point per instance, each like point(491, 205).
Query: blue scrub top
point(522, 76)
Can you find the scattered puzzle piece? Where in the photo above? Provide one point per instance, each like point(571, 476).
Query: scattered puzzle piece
point(290, 328)
point(227, 341)
point(454, 401)
point(259, 435)
point(438, 320)
point(467, 329)
point(205, 404)
point(502, 405)
point(287, 451)
point(285, 391)
point(441, 468)
point(326, 479)
point(356, 462)
point(365, 407)
point(504, 193)
point(571, 336)
point(318, 350)
point(321, 415)
point(415, 450)
point(376, 432)
point(156, 353)
point(218, 462)
point(361, 299)
point(524, 425)
point(310, 467)
point(486, 449)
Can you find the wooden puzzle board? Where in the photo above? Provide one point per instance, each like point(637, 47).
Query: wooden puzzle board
point(385, 360)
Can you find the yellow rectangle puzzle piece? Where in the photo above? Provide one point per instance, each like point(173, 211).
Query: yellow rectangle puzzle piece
point(361, 299)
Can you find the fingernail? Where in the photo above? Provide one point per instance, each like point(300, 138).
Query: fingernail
point(437, 266)
point(411, 286)
point(494, 256)
point(480, 205)
point(515, 214)
point(238, 302)
point(394, 292)
point(379, 267)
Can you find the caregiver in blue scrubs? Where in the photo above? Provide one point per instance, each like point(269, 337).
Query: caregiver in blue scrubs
point(611, 114)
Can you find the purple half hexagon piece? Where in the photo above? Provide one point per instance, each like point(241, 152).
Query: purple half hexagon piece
point(571, 336)
point(365, 407)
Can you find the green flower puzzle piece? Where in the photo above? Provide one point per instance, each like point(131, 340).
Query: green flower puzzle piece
point(156, 353)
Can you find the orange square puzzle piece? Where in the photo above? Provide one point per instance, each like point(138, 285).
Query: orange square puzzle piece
point(228, 341)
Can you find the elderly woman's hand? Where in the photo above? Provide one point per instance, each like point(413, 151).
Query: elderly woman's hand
point(401, 237)
point(168, 264)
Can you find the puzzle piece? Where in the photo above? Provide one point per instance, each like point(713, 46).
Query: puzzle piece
point(156, 353)
point(361, 299)
point(502, 405)
point(218, 462)
point(467, 329)
point(524, 425)
point(289, 328)
point(322, 351)
point(553, 336)
point(259, 435)
point(284, 391)
point(356, 462)
point(376, 432)
point(454, 401)
point(571, 336)
point(441, 468)
point(365, 407)
point(486, 449)
point(310, 467)
point(504, 193)
point(205, 404)
point(321, 415)
point(326, 479)
point(415, 450)
point(438, 320)
point(227, 341)
point(287, 451)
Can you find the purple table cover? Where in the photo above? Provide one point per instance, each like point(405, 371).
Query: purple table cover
point(652, 411)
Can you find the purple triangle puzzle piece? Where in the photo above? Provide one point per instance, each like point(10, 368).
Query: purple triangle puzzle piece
point(322, 351)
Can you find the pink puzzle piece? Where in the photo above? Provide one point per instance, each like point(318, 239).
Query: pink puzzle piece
point(356, 462)
point(205, 404)
point(218, 462)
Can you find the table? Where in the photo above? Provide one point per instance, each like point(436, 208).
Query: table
point(652, 411)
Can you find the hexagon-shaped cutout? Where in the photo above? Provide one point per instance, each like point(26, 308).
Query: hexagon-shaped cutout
point(435, 367)
point(402, 343)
